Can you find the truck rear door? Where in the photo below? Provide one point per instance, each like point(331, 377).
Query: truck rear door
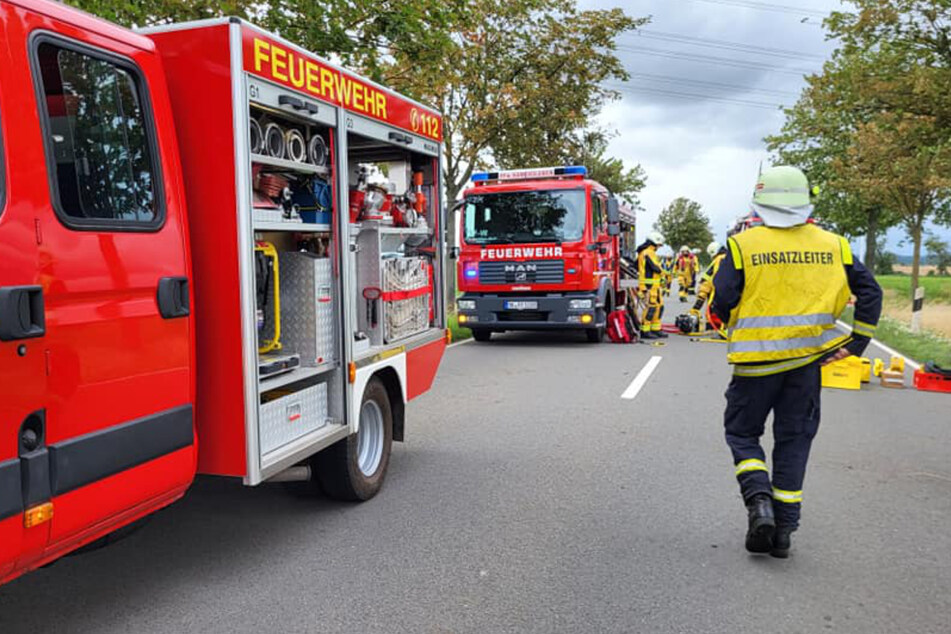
point(99, 239)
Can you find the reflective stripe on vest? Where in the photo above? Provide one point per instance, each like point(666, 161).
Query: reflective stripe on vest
point(795, 287)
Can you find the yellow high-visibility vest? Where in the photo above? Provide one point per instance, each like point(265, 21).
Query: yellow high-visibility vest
point(795, 289)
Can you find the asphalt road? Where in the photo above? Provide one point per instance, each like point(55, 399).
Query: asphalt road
point(529, 497)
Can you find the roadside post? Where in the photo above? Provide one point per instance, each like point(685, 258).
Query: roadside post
point(916, 307)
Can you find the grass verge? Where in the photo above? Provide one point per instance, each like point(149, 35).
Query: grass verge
point(921, 347)
point(459, 333)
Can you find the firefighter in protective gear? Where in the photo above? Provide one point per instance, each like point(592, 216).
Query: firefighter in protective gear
point(717, 252)
point(667, 263)
point(694, 269)
point(650, 283)
point(684, 270)
point(780, 289)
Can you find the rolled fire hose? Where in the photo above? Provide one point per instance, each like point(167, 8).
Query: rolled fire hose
point(274, 140)
point(257, 137)
point(317, 151)
point(296, 146)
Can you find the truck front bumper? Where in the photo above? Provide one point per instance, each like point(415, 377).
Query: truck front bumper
point(547, 312)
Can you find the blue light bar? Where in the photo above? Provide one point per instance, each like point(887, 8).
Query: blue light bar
point(530, 174)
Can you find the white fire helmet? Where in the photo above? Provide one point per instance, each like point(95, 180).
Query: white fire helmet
point(685, 249)
point(713, 248)
point(656, 238)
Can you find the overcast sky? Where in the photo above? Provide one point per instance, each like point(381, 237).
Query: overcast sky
point(694, 115)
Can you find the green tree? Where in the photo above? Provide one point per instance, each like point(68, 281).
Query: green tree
point(683, 222)
point(817, 131)
point(938, 253)
point(884, 260)
point(522, 77)
point(898, 53)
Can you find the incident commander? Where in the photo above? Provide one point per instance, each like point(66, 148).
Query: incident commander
point(780, 290)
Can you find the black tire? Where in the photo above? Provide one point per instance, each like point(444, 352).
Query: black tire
point(337, 468)
point(482, 334)
point(595, 335)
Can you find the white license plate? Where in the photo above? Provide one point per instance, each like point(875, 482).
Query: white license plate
point(521, 305)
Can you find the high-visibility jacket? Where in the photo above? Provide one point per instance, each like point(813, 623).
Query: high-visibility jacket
point(706, 282)
point(795, 288)
point(684, 265)
point(649, 270)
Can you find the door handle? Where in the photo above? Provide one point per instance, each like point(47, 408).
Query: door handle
point(22, 315)
point(172, 297)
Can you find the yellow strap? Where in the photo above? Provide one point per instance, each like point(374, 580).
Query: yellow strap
point(789, 497)
point(846, 251)
point(736, 253)
point(753, 464)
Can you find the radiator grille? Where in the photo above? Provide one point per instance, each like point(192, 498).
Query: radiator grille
point(531, 272)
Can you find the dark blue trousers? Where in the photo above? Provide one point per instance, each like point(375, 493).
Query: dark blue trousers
point(793, 398)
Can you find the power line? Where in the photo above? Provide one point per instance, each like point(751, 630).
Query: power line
point(713, 84)
point(700, 97)
point(697, 96)
point(708, 59)
point(726, 45)
point(768, 6)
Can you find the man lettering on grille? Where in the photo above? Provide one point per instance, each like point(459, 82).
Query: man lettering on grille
point(780, 290)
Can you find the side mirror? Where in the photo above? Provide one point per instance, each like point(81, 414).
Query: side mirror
point(459, 204)
point(614, 211)
point(453, 253)
point(614, 229)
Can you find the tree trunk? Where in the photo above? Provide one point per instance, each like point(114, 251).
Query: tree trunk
point(916, 256)
point(871, 239)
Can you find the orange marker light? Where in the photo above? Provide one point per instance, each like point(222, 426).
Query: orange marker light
point(37, 515)
point(353, 372)
point(448, 335)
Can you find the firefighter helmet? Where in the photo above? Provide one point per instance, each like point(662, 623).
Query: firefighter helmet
point(656, 238)
point(685, 249)
point(713, 248)
point(781, 198)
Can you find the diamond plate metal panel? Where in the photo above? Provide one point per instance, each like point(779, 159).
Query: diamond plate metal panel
point(286, 419)
point(307, 308)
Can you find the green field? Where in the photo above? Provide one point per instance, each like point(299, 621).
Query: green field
point(937, 289)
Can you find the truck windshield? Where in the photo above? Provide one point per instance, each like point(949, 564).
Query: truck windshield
point(529, 216)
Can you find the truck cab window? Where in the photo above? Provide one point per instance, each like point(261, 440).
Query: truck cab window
point(100, 149)
point(595, 214)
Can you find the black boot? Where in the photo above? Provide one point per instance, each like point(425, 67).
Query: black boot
point(660, 334)
point(647, 334)
point(782, 542)
point(759, 537)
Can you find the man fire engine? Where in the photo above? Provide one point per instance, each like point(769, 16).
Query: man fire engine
point(179, 292)
point(540, 250)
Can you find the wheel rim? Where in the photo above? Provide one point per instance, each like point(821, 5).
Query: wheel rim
point(370, 438)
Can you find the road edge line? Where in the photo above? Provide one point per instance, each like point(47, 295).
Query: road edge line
point(459, 343)
point(641, 379)
point(886, 349)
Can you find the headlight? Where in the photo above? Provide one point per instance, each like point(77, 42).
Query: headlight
point(466, 304)
point(580, 304)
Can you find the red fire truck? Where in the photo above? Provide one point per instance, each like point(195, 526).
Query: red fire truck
point(179, 290)
point(540, 249)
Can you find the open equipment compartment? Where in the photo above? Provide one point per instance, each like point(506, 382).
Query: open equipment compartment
point(286, 348)
point(394, 213)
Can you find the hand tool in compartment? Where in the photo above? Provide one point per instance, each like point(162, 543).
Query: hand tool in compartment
point(372, 295)
point(267, 296)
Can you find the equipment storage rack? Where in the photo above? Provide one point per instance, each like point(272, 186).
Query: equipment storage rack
point(290, 307)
